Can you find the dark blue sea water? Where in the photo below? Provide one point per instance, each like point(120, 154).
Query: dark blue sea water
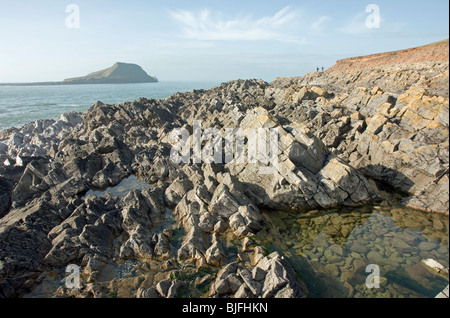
point(22, 104)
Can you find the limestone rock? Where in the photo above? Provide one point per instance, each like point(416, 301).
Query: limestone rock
point(333, 130)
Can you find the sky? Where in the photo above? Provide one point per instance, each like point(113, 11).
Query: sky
point(174, 40)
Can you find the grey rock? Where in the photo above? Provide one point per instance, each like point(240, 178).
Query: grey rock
point(28, 186)
point(215, 254)
point(254, 285)
point(147, 293)
point(161, 244)
point(173, 289)
point(258, 273)
point(246, 221)
point(243, 292)
point(223, 203)
point(163, 287)
point(177, 190)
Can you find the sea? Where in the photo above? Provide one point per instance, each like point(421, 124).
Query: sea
point(23, 104)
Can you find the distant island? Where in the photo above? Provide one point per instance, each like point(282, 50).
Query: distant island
point(119, 73)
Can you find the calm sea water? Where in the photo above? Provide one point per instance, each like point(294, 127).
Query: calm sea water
point(331, 249)
point(22, 104)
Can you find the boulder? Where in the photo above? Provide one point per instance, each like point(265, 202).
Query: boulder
point(247, 220)
point(215, 254)
point(271, 277)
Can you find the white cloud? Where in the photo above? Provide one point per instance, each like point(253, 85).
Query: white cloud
point(319, 24)
point(356, 25)
point(207, 26)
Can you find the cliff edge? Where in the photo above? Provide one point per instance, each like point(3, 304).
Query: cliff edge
point(396, 72)
point(434, 52)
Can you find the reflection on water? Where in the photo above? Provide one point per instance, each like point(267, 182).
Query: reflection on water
point(122, 189)
point(331, 249)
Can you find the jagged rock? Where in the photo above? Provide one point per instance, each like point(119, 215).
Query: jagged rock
point(147, 293)
point(258, 273)
point(247, 220)
point(215, 254)
point(165, 288)
point(227, 281)
point(97, 237)
point(23, 237)
point(243, 292)
point(177, 190)
point(223, 203)
point(334, 128)
point(5, 196)
point(28, 186)
point(252, 284)
point(258, 254)
point(83, 232)
point(407, 149)
point(193, 246)
point(280, 280)
point(140, 215)
point(398, 139)
point(93, 266)
point(161, 244)
point(271, 277)
point(300, 177)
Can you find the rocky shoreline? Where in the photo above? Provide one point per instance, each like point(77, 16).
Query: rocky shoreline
point(336, 131)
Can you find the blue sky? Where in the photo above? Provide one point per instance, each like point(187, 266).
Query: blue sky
point(206, 40)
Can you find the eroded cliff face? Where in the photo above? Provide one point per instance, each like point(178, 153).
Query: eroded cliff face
point(396, 72)
point(335, 129)
point(434, 52)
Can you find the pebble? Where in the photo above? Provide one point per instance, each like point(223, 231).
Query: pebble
point(356, 255)
point(375, 240)
point(375, 256)
point(336, 250)
point(332, 269)
point(438, 225)
point(400, 245)
point(427, 246)
point(334, 259)
point(358, 248)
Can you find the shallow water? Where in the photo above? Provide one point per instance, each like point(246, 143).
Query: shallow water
point(332, 249)
point(122, 189)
